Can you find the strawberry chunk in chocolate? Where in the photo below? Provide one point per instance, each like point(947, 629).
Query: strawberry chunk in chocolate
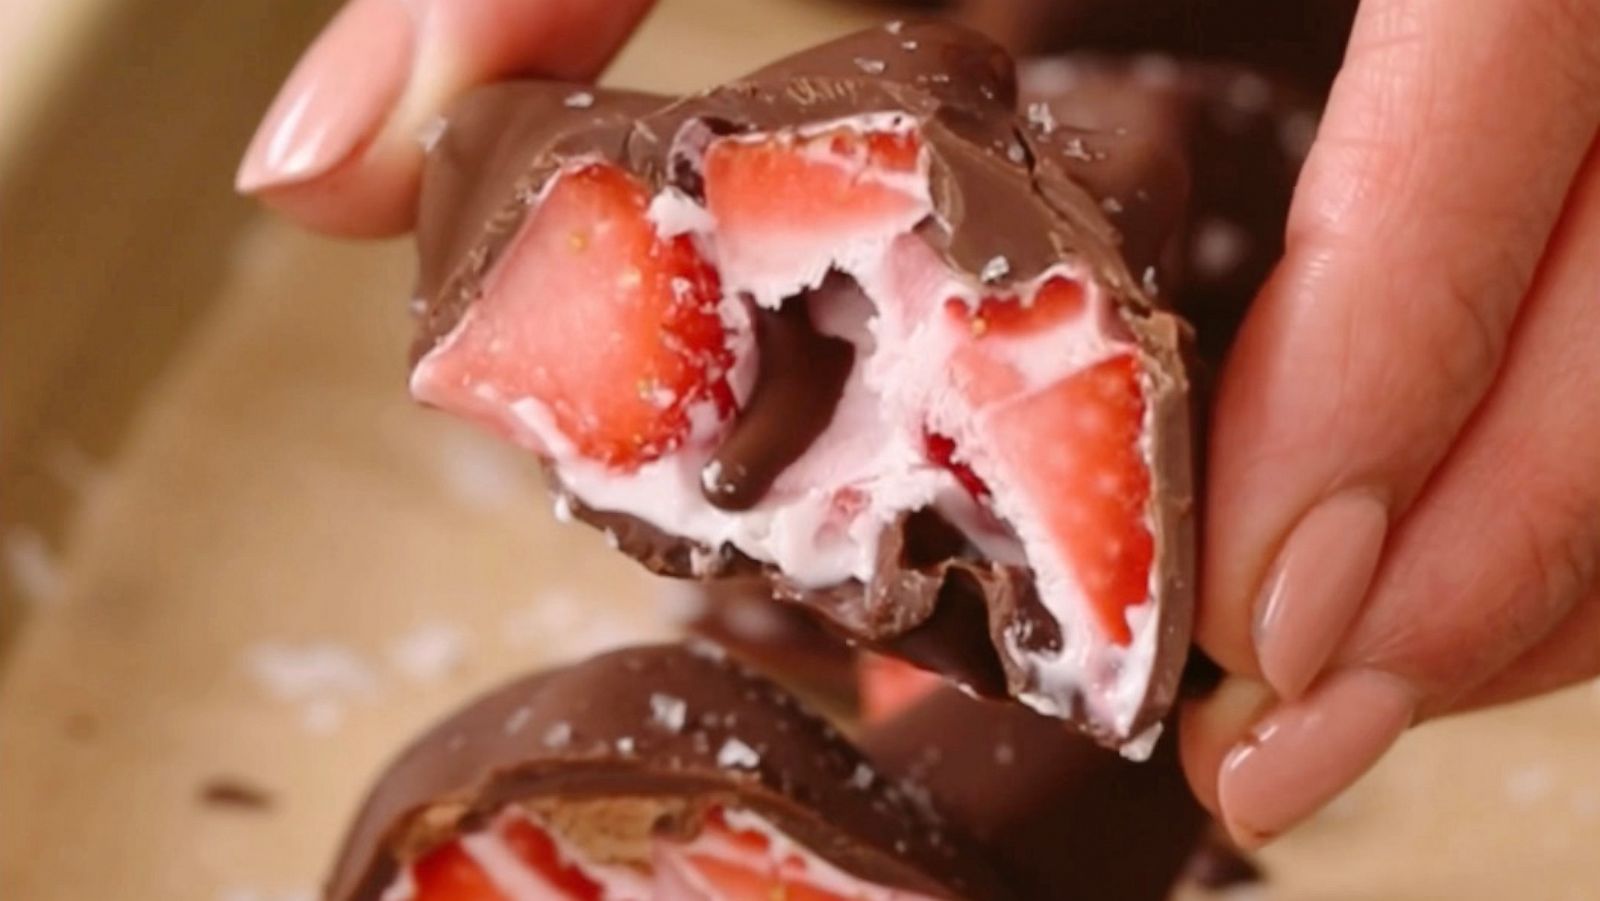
point(797, 324)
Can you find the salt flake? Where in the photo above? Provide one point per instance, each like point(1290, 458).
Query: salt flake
point(1041, 116)
point(668, 712)
point(558, 735)
point(736, 754)
point(517, 720)
point(861, 777)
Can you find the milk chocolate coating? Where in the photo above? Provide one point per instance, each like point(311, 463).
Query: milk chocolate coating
point(781, 641)
point(588, 732)
point(1064, 818)
point(1195, 164)
point(1002, 189)
point(800, 380)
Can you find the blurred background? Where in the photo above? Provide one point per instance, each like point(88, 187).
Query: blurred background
point(240, 568)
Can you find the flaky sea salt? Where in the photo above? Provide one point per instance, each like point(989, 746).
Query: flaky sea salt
point(558, 735)
point(735, 754)
point(871, 66)
point(517, 720)
point(862, 777)
point(294, 672)
point(1149, 281)
point(668, 712)
point(579, 100)
point(994, 270)
point(429, 652)
point(1041, 116)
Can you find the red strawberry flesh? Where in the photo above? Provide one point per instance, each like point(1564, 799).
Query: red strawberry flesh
point(448, 873)
point(536, 849)
point(785, 203)
point(889, 686)
point(1073, 450)
point(611, 328)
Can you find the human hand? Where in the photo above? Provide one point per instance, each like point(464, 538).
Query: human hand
point(340, 149)
point(1404, 495)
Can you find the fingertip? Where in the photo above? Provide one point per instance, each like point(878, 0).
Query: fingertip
point(363, 198)
point(1301, 754)
point(336, 100)
point(1211, 726)
point(339, 150)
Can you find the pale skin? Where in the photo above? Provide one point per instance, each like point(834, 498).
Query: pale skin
point(1403, 515)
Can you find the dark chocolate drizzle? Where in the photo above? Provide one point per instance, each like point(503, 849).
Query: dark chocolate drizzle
point(800, 376)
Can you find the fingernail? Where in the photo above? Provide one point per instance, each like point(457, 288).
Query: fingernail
point(1213, 725)
point(1314, 589)
point(1304, 752)
point(336, 98)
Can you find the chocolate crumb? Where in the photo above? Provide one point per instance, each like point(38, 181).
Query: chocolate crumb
point(81, 727)
point(234, 793)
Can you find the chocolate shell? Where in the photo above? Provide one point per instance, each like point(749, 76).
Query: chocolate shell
point(1302, 41)
point(1012, 196)
point(1064, 818)
point(780, 641)
point(579, 744)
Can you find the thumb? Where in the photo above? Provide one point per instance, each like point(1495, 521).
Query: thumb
point(340, 149)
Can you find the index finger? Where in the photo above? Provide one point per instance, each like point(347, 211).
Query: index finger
point(340, 149)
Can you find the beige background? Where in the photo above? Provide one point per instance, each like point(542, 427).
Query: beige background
point(277, 568)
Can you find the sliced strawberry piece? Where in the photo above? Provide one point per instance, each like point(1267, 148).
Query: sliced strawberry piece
point(830, 180)
point(611, 328)
point(743, 869)
point(1057, 302)
point(783, 203)
point(1071, 452)
point(448, 873)
point(536, 849)
point(737, 882)
point(941, 449)
point(888, 686)
point(982, 367)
